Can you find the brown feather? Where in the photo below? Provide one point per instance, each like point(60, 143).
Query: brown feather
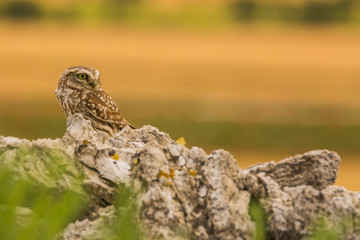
point(79, 96)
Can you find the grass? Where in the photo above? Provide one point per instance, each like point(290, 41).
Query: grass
point(30, 212)
point(29, 209)
point(258, 216)
point(188, 13)
point(319, 229)
point(251, 137)
point(232, 136)
point(38, 208)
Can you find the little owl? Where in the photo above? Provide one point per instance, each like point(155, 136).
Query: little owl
point(79, 91)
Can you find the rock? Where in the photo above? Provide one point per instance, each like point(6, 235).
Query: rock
point(321, 169)
point(183, 193)
point(87, 229)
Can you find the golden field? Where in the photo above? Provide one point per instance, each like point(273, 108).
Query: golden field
point(200, 84)
point(262, 66)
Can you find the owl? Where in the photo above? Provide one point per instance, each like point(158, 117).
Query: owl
point(79, 91)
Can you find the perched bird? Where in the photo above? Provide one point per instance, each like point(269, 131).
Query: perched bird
point(79, 91)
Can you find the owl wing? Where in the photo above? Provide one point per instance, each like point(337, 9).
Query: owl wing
point(101, 106)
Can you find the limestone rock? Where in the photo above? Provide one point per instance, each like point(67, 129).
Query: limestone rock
point(183, 193)
point(321, 169)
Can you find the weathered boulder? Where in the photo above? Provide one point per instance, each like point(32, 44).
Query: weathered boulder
point(184, 193)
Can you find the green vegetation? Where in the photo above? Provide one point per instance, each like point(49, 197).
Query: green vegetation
point(48, 216)
point(30, 211)
point(267, 137)
point(22, 10)
point(37, 208)
point(141, 12)
point(307, 12)
point(258, 216)
point(125, 224)
point(319, 129)
point(233, 136)
point(321, 229)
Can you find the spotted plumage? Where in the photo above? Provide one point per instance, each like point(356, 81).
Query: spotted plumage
point(79, 91)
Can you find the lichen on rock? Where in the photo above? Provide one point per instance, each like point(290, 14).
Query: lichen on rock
point(182, 193)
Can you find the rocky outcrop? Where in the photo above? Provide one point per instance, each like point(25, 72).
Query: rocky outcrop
point(183, 193)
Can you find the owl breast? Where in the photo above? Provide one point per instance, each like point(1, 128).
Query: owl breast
point(70, 100)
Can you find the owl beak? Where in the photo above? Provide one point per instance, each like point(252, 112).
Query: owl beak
point(94, 85)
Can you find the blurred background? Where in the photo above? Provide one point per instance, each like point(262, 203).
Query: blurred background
point(264, 79)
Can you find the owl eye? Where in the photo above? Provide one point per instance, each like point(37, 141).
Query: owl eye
point(82, 76)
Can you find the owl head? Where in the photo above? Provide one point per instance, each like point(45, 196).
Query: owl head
point(80, 77)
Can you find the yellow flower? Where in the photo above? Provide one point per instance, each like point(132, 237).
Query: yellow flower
point(181, 141)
